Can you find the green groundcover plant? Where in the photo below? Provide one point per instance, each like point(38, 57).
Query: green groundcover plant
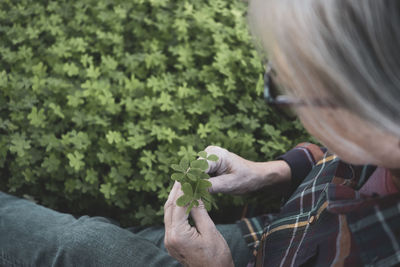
point(99, 97)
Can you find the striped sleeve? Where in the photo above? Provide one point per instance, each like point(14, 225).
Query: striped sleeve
point(301, 159)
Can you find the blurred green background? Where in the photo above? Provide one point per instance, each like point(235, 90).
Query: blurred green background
point(99, 98)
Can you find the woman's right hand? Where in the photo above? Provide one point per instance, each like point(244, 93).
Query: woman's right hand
point(233, 174)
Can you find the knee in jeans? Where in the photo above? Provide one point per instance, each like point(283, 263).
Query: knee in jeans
point(84, 241)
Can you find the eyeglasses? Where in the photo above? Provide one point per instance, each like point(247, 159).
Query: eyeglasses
point(285, 103)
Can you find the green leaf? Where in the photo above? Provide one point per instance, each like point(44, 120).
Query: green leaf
point(187, 189)
point(75, 160)
point(114, 137)
point(109, 62)
point(137, 141)
point(204, 175)
point(199, 164)
point(19, 144)
point(165, 102)
point(148, 158)
point(196, 172)
point(51, 163)
point(203, 131)
point(91, 176)
point(57, 110)
point(177, 176)
point(207, 205)
point(187, 152)
point(92, 72)
point(177, 168)
point(71, 69)
point(183, 200)
point(108, 190)
point(212, 157)
point(192, 177)
point(208, 201)
point(202, 154)
point(184, 163)
point(37, 118)
point(207, 198)
point(204, 184)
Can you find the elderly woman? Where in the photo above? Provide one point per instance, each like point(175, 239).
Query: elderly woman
point(338, 64)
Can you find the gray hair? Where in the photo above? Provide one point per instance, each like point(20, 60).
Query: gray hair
point(345, 50)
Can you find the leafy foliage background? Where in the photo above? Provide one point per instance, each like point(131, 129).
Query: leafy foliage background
point(98, 98)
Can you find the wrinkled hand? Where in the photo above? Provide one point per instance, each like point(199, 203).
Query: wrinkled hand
point(236, 175)
point(202, 245)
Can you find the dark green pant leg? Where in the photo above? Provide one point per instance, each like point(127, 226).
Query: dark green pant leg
point(32, 235)
point(240, 251)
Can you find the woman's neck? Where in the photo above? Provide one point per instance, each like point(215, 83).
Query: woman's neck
point(395, 173)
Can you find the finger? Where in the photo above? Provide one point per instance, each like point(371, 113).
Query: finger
point(203, 222)
point(224, 183)
point(169, 203)
point(174, 215)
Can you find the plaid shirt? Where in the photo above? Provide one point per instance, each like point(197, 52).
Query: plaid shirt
point(326, 221)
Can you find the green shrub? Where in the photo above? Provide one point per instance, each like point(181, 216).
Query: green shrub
point(99, 97)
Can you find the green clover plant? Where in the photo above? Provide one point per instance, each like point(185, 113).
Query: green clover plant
point(192, 176)
point(92, 119)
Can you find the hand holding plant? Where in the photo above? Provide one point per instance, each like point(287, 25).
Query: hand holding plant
point(192, 176)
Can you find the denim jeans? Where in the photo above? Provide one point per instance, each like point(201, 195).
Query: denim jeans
point(32, 235)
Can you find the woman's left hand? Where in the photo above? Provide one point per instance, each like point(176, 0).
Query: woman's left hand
point(202, 245)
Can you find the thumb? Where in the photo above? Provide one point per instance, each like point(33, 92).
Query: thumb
point(220, 165)
point(203, 222)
